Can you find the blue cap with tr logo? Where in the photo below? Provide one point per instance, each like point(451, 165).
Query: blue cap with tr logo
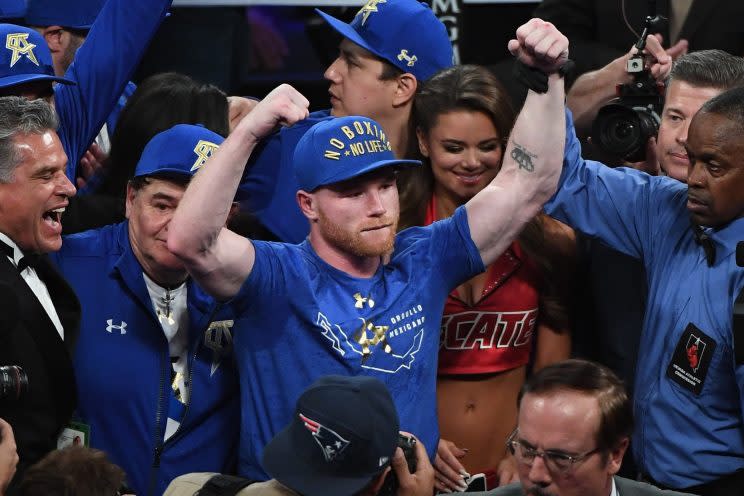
point(406, 33)
point(341, 148)
point(181, 150)
point(26, 57)
point(72, 14)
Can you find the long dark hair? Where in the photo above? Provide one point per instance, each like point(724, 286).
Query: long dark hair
point(474, 88)
point(160, 102)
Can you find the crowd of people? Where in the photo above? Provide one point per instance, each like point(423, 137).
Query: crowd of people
point(424, 288)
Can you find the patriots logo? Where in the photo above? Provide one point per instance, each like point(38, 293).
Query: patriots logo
point(331, 444)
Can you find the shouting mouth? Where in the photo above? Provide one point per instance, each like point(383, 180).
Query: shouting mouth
point(54, 217)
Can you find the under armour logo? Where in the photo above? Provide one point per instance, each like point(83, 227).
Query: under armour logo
point(368, 8)
point(203, 149)
point(218, 338)
point(377, 337)
point(122, 328)
point(360, 301)
point(18, 43)
point(411, 59)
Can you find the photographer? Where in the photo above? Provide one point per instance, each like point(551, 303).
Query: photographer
point(343, 440)
point(8, 455)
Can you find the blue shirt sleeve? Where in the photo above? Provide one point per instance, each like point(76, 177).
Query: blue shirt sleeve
point(622, 207)
point(102, 68)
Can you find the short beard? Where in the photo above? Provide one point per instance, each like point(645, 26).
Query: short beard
point(353, 242)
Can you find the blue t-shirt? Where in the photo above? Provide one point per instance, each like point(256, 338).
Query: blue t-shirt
point(308, 319)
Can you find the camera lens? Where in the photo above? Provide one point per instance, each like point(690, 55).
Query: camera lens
point(623, 131)
point(13, 383)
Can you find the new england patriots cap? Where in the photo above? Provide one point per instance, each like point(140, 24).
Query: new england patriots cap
point(343, 433)
point(12, 9)
point(341, 148)
point(406, 33)
point(73, 14)
point(25, 57)
point(180, 150)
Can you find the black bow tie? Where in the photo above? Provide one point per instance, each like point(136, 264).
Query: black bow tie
point(28, 260)
point(703, 239)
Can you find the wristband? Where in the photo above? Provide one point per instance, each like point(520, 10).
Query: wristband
point(535, 79)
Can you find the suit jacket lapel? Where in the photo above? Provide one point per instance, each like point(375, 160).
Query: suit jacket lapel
point(35, 320)
point(65, 301)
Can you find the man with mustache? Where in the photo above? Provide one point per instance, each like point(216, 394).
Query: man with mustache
point(354, 298)
point(690, 432)
point(573, 427)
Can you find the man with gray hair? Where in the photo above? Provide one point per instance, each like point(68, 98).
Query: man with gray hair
point(40, 313)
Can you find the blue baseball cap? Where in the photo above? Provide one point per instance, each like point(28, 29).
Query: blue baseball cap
point(12, 9)
point(73, 14)
point(181, 150)
point(341, 148)
point(343, 433)
point(25, 57)
point(406, 33)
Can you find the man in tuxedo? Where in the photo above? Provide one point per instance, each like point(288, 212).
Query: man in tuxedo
point(574, 424)
point(41, 312)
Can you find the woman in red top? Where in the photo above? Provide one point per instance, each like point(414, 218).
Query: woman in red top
point(500, 321)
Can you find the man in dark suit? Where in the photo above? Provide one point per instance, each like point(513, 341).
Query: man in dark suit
point(41, 311)
point(573, 428)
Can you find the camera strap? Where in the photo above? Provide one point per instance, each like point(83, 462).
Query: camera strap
point(224, 485)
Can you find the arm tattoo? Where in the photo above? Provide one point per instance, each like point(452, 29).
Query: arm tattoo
point(523, 158)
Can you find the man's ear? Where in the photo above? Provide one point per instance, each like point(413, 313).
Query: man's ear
point(53, 35)
point(405, 89)
point(307, 204)
point(131, 193)
point(423, 148)
point(616, 456)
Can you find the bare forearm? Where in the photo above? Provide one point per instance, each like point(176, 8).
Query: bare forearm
point(203, 210)
point(593, 90)
point(529, 174)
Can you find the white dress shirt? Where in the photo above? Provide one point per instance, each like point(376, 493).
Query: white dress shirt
point(37, 285)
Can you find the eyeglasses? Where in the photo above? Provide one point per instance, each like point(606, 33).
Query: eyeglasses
point(555, 461)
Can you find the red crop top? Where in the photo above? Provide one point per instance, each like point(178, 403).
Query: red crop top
point(496, 333)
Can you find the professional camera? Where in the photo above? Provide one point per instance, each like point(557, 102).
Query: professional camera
point(13, 383)
point(623, 127)
point(408, 445)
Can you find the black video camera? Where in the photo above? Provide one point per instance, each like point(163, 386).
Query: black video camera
point(408, 445)
point(13, 383)
point(623, 127)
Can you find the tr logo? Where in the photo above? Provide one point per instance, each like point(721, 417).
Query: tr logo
point(411, 59)
point(18, 43)
point(203, 149)
point(368, 8)
point(122, 328)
